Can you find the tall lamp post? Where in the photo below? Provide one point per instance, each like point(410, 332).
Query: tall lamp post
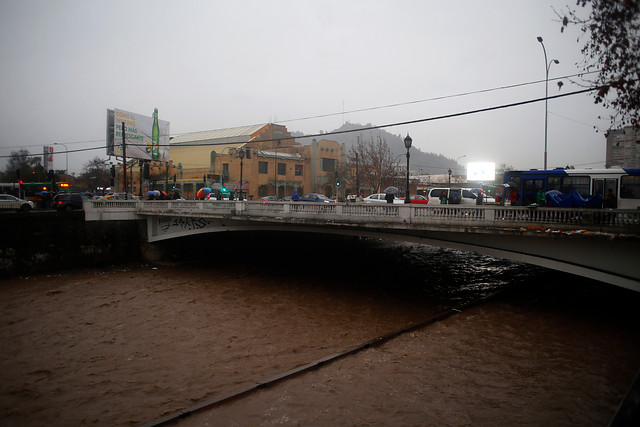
point(66, 171)
point(407, 143)
point(546, 96)
point(449, 179)
point(241, 154)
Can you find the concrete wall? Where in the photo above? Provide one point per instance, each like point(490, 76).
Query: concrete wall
point(45, 242)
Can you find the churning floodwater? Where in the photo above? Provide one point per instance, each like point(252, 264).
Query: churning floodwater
point(457, 277)
point(129, 345)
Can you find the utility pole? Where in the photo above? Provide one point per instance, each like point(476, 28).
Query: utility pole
point(124, 160)
point(357, 177)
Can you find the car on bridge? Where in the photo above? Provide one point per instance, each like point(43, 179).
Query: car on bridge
point(454, 196)
point(68, 201)
point(9, 202)
point(417, 199)
point(381, 198)
point(315, 197)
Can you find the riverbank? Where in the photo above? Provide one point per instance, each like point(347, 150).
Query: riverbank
point(130, 346)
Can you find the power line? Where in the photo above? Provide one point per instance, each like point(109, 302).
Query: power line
point(437, 98)
point(404, 123)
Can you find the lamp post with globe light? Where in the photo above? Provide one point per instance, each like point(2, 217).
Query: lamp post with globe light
point(407, 144)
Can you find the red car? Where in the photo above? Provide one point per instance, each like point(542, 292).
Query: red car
point(418, 200)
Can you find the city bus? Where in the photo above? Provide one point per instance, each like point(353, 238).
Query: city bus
point(28, 190)
point(624, 184)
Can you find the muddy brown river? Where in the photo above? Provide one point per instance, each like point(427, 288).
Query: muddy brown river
point(132, 344)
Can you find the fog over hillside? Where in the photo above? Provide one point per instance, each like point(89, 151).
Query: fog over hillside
point(430, 163)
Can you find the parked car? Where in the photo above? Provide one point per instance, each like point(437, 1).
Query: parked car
point(315, 197)
point(268, 199)
point(381, 198)
point(7, 201)
point(68, 201)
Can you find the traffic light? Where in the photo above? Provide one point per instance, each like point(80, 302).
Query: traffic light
point(113, 171)
point(146, 171)
point(248, 152)
point(18, 175)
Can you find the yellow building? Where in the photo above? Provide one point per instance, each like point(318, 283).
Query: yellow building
point(259, 160)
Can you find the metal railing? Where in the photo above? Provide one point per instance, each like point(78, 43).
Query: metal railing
point(360, 212)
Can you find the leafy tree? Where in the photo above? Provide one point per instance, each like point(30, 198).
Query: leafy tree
point(613, 48)
point(30, 167)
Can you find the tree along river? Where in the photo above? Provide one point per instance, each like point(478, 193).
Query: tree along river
point(133, 344)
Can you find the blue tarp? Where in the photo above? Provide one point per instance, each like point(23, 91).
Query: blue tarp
point(572, 200)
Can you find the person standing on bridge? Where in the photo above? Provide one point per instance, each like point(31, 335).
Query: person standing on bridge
point(295, 196)
point(540, 200)
point(389, 197)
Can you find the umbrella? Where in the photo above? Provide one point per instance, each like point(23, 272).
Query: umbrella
point(391, 190)
point(203, 192)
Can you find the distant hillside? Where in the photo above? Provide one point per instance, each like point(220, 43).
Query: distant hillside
point(429, 162)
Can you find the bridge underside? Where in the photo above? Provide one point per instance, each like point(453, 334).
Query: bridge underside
point(597, 257)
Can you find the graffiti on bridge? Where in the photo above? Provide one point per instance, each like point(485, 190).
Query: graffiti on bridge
point(171, 225)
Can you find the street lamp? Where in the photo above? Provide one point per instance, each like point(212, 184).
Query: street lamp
point(407, 143)
point(241, 154)
point(546, 96)
point(449, 179)
point(66, 171)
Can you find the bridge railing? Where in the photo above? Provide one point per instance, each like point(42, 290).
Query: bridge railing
point(359, 212)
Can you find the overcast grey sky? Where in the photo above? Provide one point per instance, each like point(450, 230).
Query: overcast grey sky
point(219, 64)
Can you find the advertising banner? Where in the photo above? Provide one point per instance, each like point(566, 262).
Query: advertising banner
point(48, 157)
point(481, 171)
point(146, 138)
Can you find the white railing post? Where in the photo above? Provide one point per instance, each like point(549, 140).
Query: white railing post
point(404, 212)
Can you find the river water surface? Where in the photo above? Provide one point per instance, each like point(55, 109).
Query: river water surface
point(132, 344)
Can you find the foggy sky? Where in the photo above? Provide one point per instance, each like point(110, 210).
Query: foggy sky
point(218, 64)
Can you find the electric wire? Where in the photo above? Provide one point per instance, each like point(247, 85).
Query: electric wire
point(383, 126)
point(437, 98)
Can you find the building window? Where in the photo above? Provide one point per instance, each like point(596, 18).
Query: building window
point(263, 167)
point(282, 169)
point(328, 165)
point(298, 170)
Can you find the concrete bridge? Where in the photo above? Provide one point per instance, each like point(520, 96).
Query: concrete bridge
point(600, 244)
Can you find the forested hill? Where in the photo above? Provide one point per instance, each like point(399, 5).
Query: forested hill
point(430, 162)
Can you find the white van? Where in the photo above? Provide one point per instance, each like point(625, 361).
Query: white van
point(454, 196)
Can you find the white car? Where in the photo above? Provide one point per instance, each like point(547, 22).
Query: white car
point(7, 201)
point(460, 196)
point(381, 198)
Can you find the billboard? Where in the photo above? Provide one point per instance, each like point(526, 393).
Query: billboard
point(146, 138)
point(48, 157)
point(481, 171)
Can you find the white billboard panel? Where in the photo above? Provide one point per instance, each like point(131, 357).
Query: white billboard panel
point(481, 171)
point(146, 138)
